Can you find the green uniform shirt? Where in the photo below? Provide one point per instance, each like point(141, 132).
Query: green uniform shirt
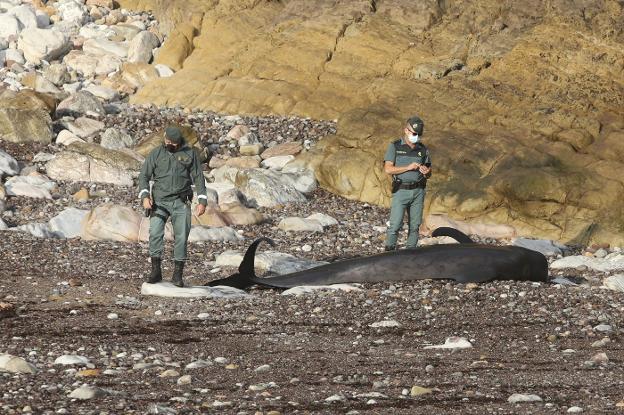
point(401, 155)
point(173, 174)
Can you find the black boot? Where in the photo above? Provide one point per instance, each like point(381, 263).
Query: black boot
point(390, 248)
point(177, 274)
point(156, 275)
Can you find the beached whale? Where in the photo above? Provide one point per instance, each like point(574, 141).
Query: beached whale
point(464, 262)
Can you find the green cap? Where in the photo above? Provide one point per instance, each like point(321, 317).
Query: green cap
point(416, 124)
point(174, 135)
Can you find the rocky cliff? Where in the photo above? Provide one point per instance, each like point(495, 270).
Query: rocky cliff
point(523, 102)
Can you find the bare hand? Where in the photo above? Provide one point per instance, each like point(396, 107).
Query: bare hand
point(147, 203)
point(414, 166)
point(424, 169)
point(200, 209)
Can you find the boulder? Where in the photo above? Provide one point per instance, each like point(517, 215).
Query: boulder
point(285, 149)
point(68, 223)
point(35, 186)
point(264, 188)
point(66, 137)
point(25, 16)
point(9, 26)
point(15, 364)
point(104, 48)
point(39, 83)
point(114, 139)
point(102, 92)
point(227, 214)
point(72, 11)
point(83, 127)
point(277, 162)
point(8, 165)
point(118, 223)
point(24, 117)
point(89, 65)
point(56, 73)
point(167, 289)
point(42, 44)
point(243, 162)
point(12, 55)
point(140, 47)
point(80, 103)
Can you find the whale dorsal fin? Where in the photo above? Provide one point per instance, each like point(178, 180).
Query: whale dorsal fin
point(459, 236)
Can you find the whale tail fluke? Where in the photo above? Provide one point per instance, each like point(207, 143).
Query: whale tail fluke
point(459, 236)
point(246, 274)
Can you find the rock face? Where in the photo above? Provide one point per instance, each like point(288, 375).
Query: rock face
point(522, 102)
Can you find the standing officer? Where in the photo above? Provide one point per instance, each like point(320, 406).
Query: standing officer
point(172, 166)
point(407, 160)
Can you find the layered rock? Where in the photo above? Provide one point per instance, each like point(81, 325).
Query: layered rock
point(522, 102)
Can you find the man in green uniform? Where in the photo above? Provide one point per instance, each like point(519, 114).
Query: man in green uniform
point(407, 159)
point(172, 166)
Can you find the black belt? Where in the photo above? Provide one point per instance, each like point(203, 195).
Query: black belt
point(414, 185)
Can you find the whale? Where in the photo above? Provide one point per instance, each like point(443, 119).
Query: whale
point(462, 262)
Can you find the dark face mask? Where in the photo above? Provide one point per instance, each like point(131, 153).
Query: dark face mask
point(172, 148)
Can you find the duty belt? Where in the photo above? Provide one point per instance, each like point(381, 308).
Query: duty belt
point(414, 185)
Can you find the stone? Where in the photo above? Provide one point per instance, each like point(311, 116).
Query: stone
point(72, 11)
point(251, 149)
point(323, 219)
point(294, 224)
point(68, 223)
point(73, 166)
point(107, 4)
point(84, 127)
point(523, 398)
point(81, 195)
point(614, 282)
point(95, 31)
point(140, 47)
point(25, 15)
point(546, 247)
point(15, 364)
point(243, 162)
point(86, 392)
point(78, 104)
point(57, 74)
point(312, 289)
point(452, 343)
point(126, 31)
point(89, 65)
point(277, 162)
point(9, 26)
point(103, 48)
point(8, 165)
point(41, 44)
point(39, 83)
point(114, 139)
point(263, 188)
point(118, 223)
point(167, 289)
point(12, 55)
point(163, 70)
point(284, 149)
point(237, 132)
point(71, 359)
point(66, 137)
point(202, 233)
point(24, 118)
point(613, 262)
point(102, 92)
point(419, 391)
point(38, 186)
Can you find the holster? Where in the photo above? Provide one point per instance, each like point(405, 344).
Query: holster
point(396, 184)
point(186, 196)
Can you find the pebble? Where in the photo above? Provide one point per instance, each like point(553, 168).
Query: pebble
point(575, 410)
point(520, 398)
point(112, 316)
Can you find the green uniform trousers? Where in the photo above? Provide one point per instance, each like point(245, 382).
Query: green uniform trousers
point(180, 214)
point(411, 200)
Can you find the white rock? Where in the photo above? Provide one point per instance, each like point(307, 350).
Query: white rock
point(95, 31)
point(302, 179)
point(204, 233)
point(274, 262)
point(199, 364)
point(72, 11)
point(3, 226)
point(9, 26)
point(30, 186)
point(312, 289)
point(277, 162)
point(184, 380)
point(452, 343)
point(15, 364)
point(84, 127)
point(114, 139)
point(107, 94)
point(163, 70)
point(38, 230)
point(167, 289)
point(8, 165)
point(40, 44)
point(386, 323)
point(68, 223)
point(604, 328)
point(25, 15)
point(323, 219)
point(78, 104)
point(140, 47)
point(294, 224)
point(89, 65)
point(574, 410)
point(71, 359)
point(335, 398)
point(14, 55)
point(546, 247)
point(520, 398)
point(614, 282)
point(87, 392)
point(66, 137)
point(612, 262)
point(104, 47)
point(112, 316)
point(267, 188)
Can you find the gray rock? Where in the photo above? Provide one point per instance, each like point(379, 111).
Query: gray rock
point(14, 55)
point(203, 233)
point(103, 48)
point(15, 364)
point(8, 165)
point(71, 359)
point(294, 224)
point(25, 15)
point(37, 186)
point(88, 392)
point(57, 74)
point(614, 282)
point(84, 127)
point(68, 223)
point(522, 398)
point(167, 289)
point(114, 139)
point(546, 247)
point(78, 104)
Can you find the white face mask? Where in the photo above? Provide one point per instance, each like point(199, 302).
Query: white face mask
point(414, 138)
